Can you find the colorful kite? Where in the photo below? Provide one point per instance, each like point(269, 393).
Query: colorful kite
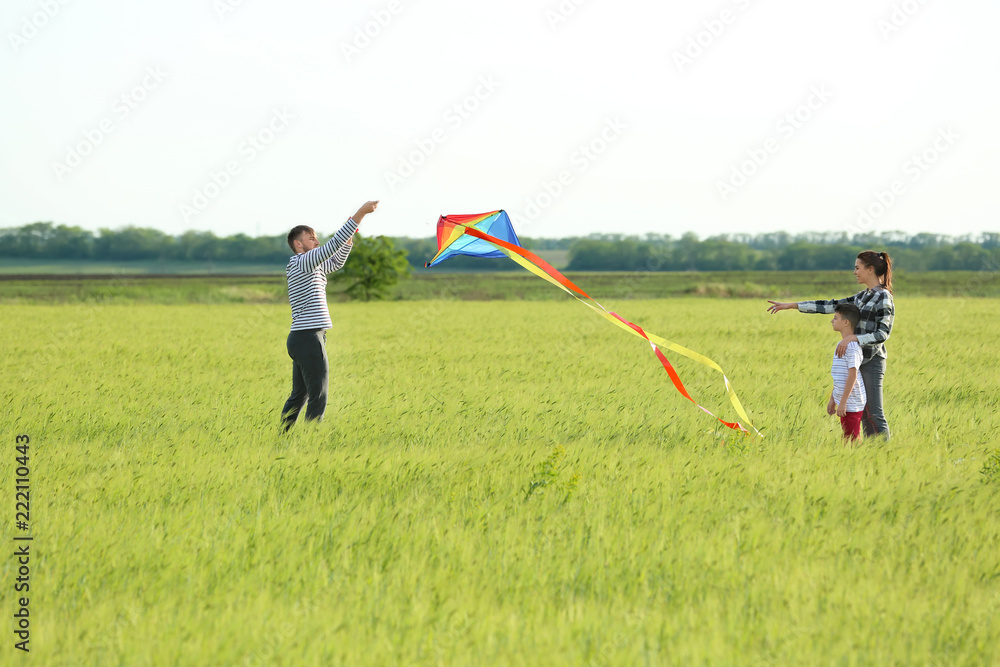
point(491, 235)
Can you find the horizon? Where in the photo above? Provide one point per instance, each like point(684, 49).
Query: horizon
point(598, 235)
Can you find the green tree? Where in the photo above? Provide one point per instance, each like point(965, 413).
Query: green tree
point(70, 242)
point(43, 239)
point(686, 252)
point(132, 243)
point(721, 254)
point(373, 268)
point(192, 245)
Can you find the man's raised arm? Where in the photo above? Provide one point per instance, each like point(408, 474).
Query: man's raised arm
point(308, 261)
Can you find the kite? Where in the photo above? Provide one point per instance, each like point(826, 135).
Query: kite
point(492, 235)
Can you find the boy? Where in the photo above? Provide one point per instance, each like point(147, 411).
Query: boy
point(848, 398)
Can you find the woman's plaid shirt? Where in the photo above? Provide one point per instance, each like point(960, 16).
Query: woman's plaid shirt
point(876, 317)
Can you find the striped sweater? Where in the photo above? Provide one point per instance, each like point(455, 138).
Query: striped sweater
point(841, 366)
point(306, 274)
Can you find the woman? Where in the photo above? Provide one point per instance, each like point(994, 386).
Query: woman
point(874, 271)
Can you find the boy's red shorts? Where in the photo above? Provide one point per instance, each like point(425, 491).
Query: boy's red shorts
point(852, 425)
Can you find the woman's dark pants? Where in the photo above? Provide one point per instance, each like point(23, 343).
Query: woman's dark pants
point(873, 421)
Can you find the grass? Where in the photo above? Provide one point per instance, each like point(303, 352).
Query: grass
point(500, 483)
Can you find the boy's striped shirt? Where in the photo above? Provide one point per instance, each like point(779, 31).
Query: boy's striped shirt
point(841, 365)
point(306, 274)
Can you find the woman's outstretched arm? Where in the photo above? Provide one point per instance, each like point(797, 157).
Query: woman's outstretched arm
point(779, 305)
point(810, 306)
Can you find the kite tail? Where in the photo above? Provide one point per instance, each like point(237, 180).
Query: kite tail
point(546, 271)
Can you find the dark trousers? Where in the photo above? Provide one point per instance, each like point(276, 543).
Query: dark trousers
point(873, 421)
point(310, 375)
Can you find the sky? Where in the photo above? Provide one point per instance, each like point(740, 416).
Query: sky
point(576, 116)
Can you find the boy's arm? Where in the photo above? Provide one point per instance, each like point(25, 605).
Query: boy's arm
point(831, 405)
point(852, 377)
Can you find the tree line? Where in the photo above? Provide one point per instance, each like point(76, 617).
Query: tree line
point(921, 252)
point(597, 252)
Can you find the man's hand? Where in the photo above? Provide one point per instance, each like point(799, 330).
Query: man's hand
point(365, 209)
point(778, 305)
point(831, 407)
point(842, 345)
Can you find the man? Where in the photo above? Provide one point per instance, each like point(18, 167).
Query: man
point(306, 272)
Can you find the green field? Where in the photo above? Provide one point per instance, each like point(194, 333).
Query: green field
point(501, 483)
point(121, 287)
